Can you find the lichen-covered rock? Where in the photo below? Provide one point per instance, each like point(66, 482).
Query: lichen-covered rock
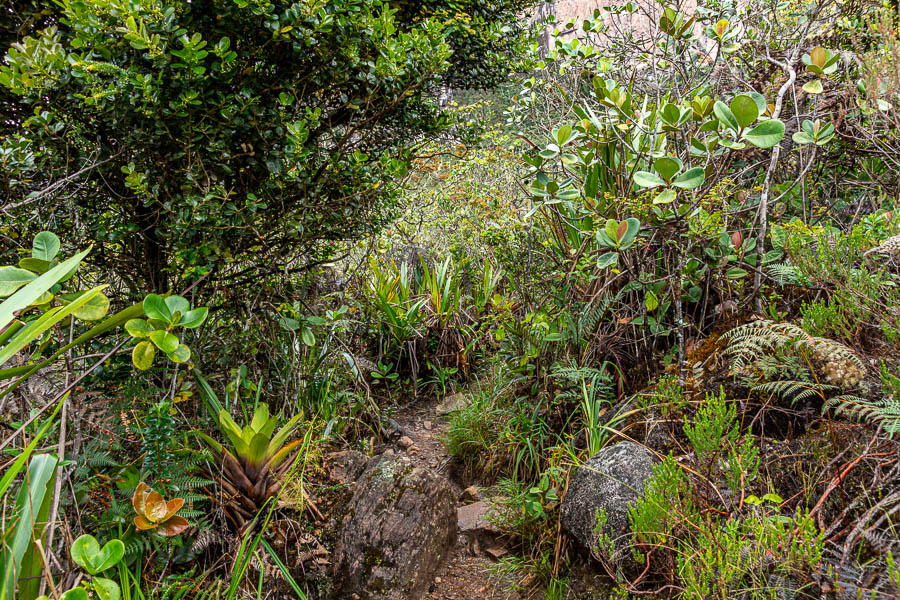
point(607, 483)
point(398, 529)
point(347, 465)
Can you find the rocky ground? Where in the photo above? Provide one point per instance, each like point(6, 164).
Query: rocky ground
point(413, 528)
point(467, 572)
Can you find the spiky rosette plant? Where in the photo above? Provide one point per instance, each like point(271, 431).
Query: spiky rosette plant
point(254, 461)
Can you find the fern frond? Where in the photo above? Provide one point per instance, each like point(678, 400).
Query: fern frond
point(792, 390)
point(884, 412)
point(785, 274)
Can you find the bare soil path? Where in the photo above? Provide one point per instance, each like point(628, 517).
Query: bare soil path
point(468, 573)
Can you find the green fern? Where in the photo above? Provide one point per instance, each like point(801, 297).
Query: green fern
point(766, 346)
point(597, 380)
point(794, 390)
point(884, 412)
point(756, 341)
point(786, 274)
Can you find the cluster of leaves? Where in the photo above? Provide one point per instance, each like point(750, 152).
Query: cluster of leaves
point(163, 316)
point(154, 513)
point(87, 554)
point(172, 105)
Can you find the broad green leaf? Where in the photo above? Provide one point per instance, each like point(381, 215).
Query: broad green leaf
point(260, 417)
point(45, 298)
point(106, 589)
point(651, 301)
point(592, 181)
point(35, 265)
point(45, 246)
point(38, 326)
point(228, 424)
point(813, 86)
point(801, 138)
point(279, 438)
point(766, 134)
point(736, 273)
point(744, 109)
point(665, 197)
point(258, 446)
point(182, 354)
point(710, 125)
point(604, 239)
point(194, 318)
point(142, 355)
point(607, 260)
point(725, 116)
point(30, 512)
point(88, 554)
point(563, 134)
point(646, 179)
point(733, 145)
point(760, 101)
point(610, 229)
point(177, 304)
point(155, 308)
point(95, 308)
point(289, 324)
point(671, 113)
point(138, 328)
point(165, 341)
point(12, 278)
point(78, 593)
point(690, 179)
point(307, 336)
point(667, 167)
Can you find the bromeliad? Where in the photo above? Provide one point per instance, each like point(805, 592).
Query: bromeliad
point(255, 461)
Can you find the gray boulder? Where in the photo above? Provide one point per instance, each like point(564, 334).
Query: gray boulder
point(347, 465)
point(610, 481)
point(399, 527)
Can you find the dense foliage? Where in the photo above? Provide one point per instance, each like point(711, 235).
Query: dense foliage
point(240, 137)
point(671, 224)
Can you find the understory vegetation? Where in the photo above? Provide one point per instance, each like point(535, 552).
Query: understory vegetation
point(239, 237)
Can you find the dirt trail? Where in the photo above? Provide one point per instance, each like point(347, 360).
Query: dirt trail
point(466, 574)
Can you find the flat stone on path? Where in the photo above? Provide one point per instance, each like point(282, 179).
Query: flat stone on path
point(453, 403)
point(473, 518)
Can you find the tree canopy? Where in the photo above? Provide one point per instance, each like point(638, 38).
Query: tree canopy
point(230, 135)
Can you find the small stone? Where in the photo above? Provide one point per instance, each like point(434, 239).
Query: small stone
point(437, 579)
point(453, 403)
point(405, 442)
point(470, 494)
point(473, 518)
point(495, 552)
point(427, 425)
